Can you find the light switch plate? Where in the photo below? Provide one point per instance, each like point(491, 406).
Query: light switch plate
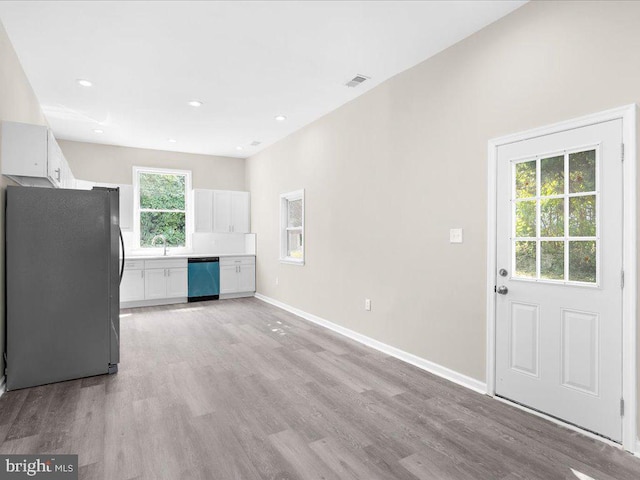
point(455, 235)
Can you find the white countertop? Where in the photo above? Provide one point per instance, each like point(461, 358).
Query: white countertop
point(186, 255)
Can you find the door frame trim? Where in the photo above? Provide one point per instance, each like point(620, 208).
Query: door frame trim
point(628, 114)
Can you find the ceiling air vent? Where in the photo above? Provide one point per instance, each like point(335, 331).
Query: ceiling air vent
point(255, 143)
point(357, 80)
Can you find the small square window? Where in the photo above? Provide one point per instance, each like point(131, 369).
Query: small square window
point(292, 227)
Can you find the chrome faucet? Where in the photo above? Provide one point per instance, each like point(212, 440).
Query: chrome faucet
point(164, 242)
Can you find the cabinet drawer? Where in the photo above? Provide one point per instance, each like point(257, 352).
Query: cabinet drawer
point(251, 260)
point(168, 263)
point(134, 264)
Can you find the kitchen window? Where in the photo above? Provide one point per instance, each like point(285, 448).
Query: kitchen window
point(161, 207)
point(292, 227)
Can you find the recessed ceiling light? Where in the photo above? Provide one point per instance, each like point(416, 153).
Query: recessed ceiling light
point(195, 103)
point(98, 130)
point(83, 82)
point(239, 147)
point(280, 118)
point(171, 140)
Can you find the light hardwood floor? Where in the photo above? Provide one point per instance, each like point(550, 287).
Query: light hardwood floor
point(238, 389)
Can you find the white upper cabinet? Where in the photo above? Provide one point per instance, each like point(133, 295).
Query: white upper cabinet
point(54, 160)
point(203, 210)
point(126, 207)
point(31, 156)
point(221, 211)
point(126, 200)
point(240, 206)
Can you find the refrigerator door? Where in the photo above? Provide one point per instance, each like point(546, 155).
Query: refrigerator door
point(114, 276)
point(59, 269)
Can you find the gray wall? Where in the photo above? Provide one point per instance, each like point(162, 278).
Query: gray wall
point(17, 104)
point(388, 174)
point(113, 164)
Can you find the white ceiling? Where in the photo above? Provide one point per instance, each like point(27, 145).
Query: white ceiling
point(247, 61)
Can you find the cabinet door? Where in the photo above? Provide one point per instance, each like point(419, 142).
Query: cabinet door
point(247, 278)
point(155, 284)
point(24, 149)
point(132, 286)
point(240, 202)
point(221, 211)
point(176, 282)
point(54, 160)
point(203, 213)
point(126, 207)
point(228, 278)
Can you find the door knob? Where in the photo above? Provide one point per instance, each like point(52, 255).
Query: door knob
point(502, 290)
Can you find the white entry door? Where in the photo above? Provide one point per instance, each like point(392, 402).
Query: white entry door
point(559, 275)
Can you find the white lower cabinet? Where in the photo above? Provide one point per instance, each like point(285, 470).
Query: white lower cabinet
point(132, 286)
point(228, 279)
point(247, 278)
point(153, 281)
point(237, 276)
point(177, 280)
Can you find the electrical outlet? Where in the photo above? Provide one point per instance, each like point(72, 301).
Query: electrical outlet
point(367, 304)
point(455, 235)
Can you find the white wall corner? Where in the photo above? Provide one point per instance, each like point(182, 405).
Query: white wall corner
point(431, 367)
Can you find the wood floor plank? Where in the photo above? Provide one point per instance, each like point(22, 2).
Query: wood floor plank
point(242, 390)
point(302, 459)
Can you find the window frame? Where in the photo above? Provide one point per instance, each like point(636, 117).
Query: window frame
point(285, 198)
point(188, 220)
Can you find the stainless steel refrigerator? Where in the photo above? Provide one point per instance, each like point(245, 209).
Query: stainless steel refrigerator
point(62, 284)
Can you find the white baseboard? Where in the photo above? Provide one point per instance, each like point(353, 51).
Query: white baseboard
point(431, 367)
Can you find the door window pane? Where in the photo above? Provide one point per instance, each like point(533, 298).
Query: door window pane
point(526, 219)
point(582, 261)
point(526, 179)
point(525, 259)
point(552, 176)
point(582, 172)
point(552, 260)
point(552, 217)
point(582, 216)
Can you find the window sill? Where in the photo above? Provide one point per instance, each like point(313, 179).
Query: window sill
point(293, 261)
